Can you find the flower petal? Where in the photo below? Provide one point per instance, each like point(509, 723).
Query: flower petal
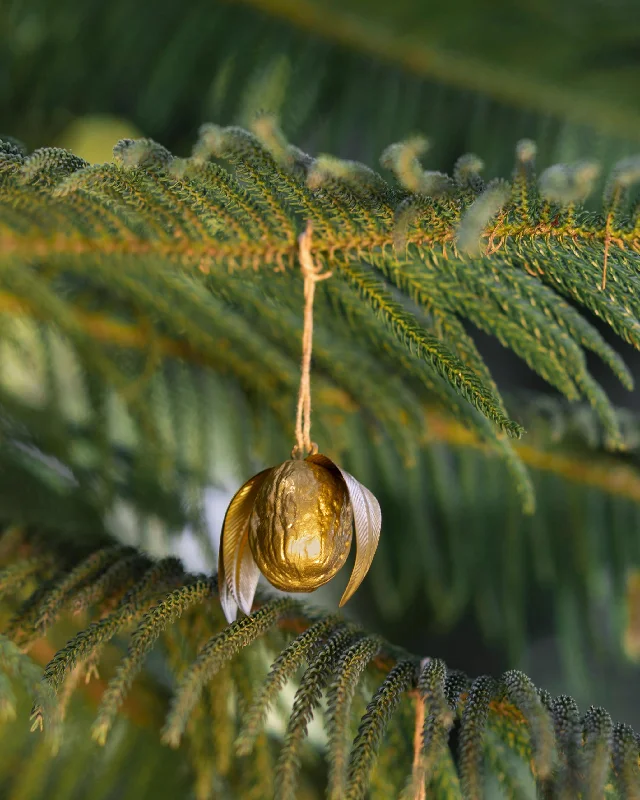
point(237, 571)
point(367, 519)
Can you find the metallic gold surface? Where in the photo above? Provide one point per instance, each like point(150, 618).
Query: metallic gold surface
point(300, 528)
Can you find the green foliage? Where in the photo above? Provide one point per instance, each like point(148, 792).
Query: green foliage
point(14, 664)
point(350, 76)
point(150, 628)
point(282, 671)
point(500, 721)
point(145, 276)
point(147, 208)
point(212, 657)
point(353, 661)
point(376, 718)
point(128, 766)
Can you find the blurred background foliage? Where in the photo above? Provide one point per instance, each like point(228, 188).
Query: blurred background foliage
point(344, 77)
point(461, 572)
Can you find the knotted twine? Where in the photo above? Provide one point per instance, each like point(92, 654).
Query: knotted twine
point(312, 273)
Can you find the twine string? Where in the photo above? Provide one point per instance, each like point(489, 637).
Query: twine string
point(312, 273)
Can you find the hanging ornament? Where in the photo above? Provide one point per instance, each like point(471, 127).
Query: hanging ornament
point(294, 522)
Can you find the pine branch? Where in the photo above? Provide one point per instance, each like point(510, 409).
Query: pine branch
point(442, 497)
point(499, 719)
point(144, 230)
point(147, 264)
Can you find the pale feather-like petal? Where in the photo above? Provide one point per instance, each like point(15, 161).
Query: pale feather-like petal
point(229, 606)
point(247, 575)
point(237, 571)
point(367, 519)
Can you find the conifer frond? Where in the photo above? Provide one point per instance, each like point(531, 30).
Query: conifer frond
point(353, 661)
point(307, 698)
point(282, 670)
point(438, 718)
point(88, 643)
point(566, 719)
point(141, 270)
point(624, 745)
point(472, 732)
point(212, 656)
point(503, 722)
point(440, 496)
point(142, 640)
point(150, 319)
point(87, 572)
point(136, 228)
point(522, 693)
point(597, 732)
point(376, 718)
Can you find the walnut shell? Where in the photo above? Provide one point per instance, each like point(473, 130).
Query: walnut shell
point(300, 527)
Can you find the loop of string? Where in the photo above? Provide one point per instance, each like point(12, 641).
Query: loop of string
point(312, 274)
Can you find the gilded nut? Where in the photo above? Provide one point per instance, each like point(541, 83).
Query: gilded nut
point(300, 528)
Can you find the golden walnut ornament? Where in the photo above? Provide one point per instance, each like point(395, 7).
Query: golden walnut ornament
point(294, 524)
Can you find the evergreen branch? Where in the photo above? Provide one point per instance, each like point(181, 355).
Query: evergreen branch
point(142, 708)
point(430, 348)
point(376, 718)
point(89, 571)
point(282, 670)
point(597, 732)
point(140, 177)
point(500, 719)
point(474, 720)
point(360, 318)
point(623, 751)
point(566, 719)
point(164, 275)
point(522, 693)
point(117, 577)
point(88, 642)
point(143, 639)
point(438, 718)
point(436, 495)
point(213, 655)
point(611, 477)
point(349, 669)
point(307, 698)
